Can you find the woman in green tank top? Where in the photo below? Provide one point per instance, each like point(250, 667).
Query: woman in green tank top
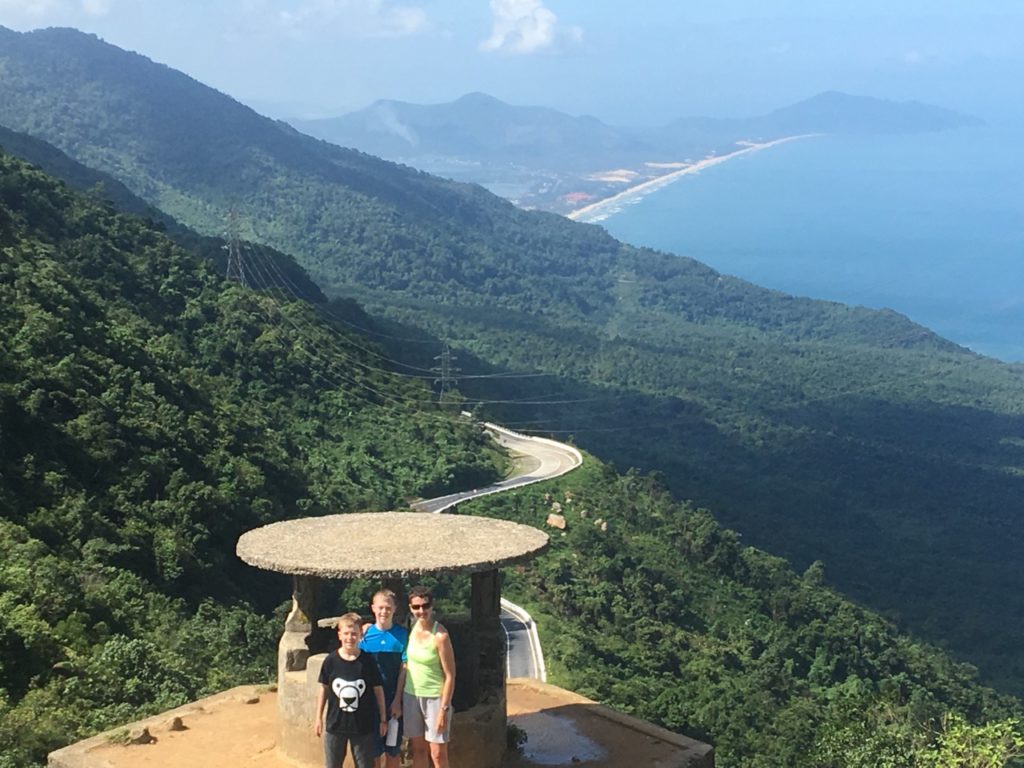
point(429, 684)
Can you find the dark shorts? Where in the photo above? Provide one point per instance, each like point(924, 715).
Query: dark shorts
point(336, 745)
point(395, 751)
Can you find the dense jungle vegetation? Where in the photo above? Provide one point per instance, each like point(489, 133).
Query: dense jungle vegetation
point(150, 413)
point(818, 431)
point(651, 606)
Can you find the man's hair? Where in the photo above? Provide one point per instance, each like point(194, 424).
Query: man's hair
point(421, 591)
point(385, 593)
point(350, 619)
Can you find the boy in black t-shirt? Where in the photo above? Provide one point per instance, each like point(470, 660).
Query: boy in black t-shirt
point(352, 693)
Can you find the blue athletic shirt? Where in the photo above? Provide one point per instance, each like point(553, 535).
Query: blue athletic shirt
point(387, 647)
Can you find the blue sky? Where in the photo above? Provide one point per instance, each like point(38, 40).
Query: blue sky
point(636, 62)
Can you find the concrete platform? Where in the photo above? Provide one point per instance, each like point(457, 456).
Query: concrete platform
point(239, 727)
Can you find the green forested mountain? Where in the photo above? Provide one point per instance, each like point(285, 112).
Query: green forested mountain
point(817, 430)
point(650, 606)
point(285, 273)
point(78, 176)
point(149, 414)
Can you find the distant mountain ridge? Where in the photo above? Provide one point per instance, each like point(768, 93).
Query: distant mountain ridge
point(480, 127)
point(837, 112)
point(196, 153)
point(481, 139)
point(476, 127)
point(820, 431)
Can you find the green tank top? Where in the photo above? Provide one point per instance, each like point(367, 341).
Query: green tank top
point(424, 676)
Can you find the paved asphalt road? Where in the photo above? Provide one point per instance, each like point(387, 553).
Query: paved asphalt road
point(521, 660)
point(544, 459)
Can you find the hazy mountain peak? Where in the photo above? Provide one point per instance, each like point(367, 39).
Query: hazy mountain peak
point(480, 99)
point(839, 112)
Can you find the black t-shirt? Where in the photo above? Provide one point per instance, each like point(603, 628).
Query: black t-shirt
point(351, 705)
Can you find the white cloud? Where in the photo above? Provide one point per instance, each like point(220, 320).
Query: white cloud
point(27, 8)
point(97, 7)
point(526, 26)
point(352, 18)
point(52, 11)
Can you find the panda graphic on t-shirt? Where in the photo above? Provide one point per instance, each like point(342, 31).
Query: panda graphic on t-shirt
point(348, 693)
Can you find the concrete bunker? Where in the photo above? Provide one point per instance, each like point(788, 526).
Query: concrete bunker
point(395, 548)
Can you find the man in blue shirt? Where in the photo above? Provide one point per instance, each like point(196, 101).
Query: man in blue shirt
point(386, 643)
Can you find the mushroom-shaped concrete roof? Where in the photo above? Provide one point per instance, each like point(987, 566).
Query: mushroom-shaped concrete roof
point(388, 545)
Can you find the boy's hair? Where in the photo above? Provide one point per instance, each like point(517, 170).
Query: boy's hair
point(421, 591)
point(350, 619)
point(385, 593)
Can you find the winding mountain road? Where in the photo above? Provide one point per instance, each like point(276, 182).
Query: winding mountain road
point(538, 459)
point(541, 459)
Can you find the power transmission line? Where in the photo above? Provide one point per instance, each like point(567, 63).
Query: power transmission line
point(446, 371)
point(235, 271)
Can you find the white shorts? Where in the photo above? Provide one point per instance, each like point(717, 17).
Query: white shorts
point(420, 716)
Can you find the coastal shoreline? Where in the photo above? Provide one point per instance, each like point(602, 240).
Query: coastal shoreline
point(592, 211)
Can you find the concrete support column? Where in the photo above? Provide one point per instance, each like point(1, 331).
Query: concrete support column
point(480, 731)
point(485, 613)
point(301, 619)
point(486, 597)
point(295, 705)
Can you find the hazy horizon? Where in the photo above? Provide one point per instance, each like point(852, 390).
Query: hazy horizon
point(319, 58)
point(731, 59)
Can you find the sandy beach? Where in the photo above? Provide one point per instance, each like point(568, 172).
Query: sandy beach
point(598, 210)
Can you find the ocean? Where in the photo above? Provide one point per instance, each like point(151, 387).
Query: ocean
point(930, 225)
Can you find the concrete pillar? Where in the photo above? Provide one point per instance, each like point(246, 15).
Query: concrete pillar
point(298, 626)
point(486, 597)
point(294, 707)
point(485, 612)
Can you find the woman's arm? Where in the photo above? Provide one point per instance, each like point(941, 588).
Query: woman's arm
point(443, 643)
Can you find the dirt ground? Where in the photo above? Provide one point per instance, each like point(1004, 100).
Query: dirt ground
point(221, 731)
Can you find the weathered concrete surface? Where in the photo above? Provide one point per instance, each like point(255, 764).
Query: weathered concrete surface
point(389, 544)
point(223, 731)
point(562, 725)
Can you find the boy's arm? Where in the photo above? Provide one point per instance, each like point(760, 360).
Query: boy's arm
point(321, 702)
point(396, 703)
point(378, 693)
